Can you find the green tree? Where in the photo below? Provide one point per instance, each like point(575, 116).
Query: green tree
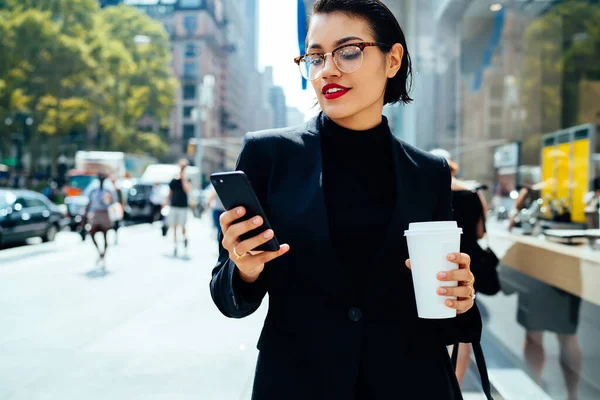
point(148, 87)
point(72, 66)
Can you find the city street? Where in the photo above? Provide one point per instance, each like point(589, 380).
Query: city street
point(145, 328)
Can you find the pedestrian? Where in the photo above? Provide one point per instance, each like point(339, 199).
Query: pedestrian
point(121, 203)
point(469, 209)
point(96, 212)
point(214, 203)
point(339, 193)
point(178, 200)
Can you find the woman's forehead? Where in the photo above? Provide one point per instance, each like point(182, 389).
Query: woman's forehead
point(326, 30)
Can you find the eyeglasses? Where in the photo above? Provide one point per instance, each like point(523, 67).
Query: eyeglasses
point(347, 58)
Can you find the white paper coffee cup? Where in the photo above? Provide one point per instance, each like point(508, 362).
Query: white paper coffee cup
point(429, 244)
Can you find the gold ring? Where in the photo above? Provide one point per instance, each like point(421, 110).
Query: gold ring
point(472, 295)
point(237, 256)
point(471, 282)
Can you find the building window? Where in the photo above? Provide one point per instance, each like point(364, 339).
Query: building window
point(190, 70)
point(496, 112)
point(190, 50)
point(190, 3)
point(496, 92)
point(189, 132)
point(190, 22)
point(189, 92)
point(187, 112)
point(495, 131)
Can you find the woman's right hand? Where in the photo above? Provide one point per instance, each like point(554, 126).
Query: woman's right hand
point(251, 263)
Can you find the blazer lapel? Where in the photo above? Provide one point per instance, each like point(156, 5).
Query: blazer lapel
point(394, 245)
point(336, 277)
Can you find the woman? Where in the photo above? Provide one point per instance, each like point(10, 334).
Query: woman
point(470, 211)
point(96, 213)
point(339, 191)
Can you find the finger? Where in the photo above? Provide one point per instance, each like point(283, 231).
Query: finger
point(228, 217)
point(462, 259)
point(247, 245)
point(407, 263)
point(460, 275)
point(456, 291)
point(266, 256)
point(232, 236)
point(460, 305)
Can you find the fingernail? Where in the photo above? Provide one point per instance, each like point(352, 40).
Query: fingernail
point(285, 247)
point(450, 303)
point(452, 256)
point(240, 211)
point(268, 234)
point(256, 221)
point(442, 275)
point(442, 291)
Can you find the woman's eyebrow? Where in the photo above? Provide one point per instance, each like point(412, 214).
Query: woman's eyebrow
point(336, 44)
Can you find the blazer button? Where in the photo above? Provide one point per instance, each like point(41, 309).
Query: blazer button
point(355, 314)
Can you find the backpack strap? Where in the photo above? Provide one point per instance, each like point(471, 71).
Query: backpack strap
point(481, 367)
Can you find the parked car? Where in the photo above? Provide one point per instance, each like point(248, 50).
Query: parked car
point(144, 201)
point(75, 208)
point(25, 214)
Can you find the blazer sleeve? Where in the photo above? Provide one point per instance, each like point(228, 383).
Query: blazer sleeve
point(232, 296)
point(466, 327)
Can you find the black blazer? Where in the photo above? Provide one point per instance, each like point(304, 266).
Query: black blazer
point(317, 335)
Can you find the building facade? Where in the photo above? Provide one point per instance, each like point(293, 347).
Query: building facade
point(215, 39)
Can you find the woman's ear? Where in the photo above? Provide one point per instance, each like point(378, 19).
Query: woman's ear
point(395, 60)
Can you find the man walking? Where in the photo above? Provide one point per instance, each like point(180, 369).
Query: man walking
point(178, 199)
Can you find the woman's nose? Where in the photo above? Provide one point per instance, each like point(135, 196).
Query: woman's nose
point(329, 67)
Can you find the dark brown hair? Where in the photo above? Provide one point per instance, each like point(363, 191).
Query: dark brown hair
point(386, 29)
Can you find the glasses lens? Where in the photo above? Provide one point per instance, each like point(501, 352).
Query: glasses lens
point(311, 67)
point(349, 59)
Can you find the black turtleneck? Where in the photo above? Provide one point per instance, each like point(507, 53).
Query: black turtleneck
point(359, 189)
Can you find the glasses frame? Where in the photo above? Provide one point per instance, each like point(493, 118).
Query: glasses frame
point(361, 45)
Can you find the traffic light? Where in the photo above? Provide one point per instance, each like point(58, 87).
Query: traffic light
point(191, 148)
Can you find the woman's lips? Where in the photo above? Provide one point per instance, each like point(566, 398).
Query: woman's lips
point(337, 94)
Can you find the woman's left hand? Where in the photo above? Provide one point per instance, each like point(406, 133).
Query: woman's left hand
point(465, 291)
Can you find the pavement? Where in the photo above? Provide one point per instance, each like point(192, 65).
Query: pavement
point(143, 327)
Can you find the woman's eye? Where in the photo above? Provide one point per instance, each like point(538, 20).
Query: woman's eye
point(315, 61)
point(350, 54)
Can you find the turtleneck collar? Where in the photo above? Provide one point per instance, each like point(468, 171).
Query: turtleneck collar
point(334, 131)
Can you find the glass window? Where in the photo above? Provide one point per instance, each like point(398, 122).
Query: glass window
point(190, 50)
point(189, 92)
point(190, 70)
point(33, 202)
point(190, 3)
point(187, 112)
point(189, 132)
point(190, 23)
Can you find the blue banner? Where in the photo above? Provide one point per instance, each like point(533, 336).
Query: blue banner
point(302, 28)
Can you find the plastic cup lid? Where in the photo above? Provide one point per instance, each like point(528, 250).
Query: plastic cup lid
point(433, 227)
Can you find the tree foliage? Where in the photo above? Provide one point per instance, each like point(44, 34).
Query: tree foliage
point(71, 65)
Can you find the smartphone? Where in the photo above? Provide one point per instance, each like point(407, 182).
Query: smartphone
point(235, 190)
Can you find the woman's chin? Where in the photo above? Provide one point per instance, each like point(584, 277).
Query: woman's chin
point(336, 111)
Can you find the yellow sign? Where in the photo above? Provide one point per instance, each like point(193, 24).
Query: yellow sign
point(566, 160)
